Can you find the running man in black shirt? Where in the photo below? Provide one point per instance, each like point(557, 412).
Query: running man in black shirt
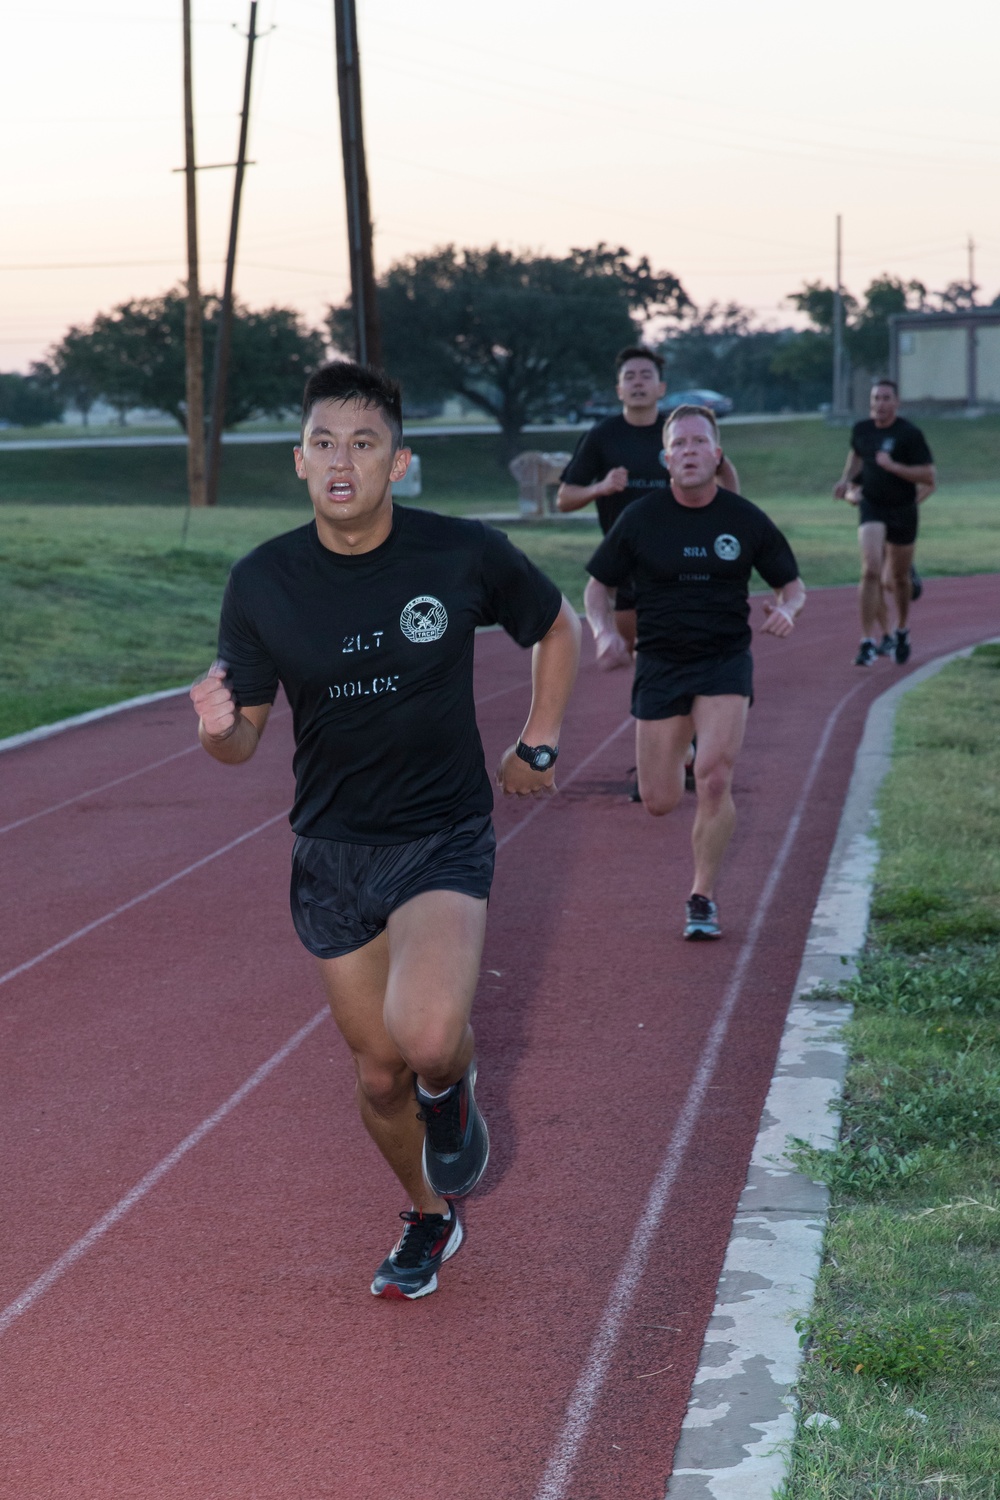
point(895, 467)
point(689, 552)
point(367, 618)
point(618, 460)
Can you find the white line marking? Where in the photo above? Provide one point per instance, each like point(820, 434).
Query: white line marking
point(97, 1231)
point(590, 1384)
point(76, 1251)
point(136, 900)
point(95, 790)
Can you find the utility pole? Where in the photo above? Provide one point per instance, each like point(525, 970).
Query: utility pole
point(367, 335)
point(837, 404)
point(972, 270)
point(195, 389)
point(221, 368)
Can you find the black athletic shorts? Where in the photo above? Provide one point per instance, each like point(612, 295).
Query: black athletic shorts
point(900, 521)
point(342, 894)
point(666, 690)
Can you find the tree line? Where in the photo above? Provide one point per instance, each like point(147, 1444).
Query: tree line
point(519, 336)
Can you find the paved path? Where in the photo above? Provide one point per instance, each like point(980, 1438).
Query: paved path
point(192, 1210)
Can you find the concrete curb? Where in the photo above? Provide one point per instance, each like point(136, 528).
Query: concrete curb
point(45, 731)
point(736, 1437)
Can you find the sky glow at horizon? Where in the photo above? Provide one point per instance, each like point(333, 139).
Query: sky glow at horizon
point(722, 149)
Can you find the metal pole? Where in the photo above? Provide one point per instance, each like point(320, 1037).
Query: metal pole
point(195, 387)
point(224, 336)
point(972, 270)
point(367, 334)
point(838, 337)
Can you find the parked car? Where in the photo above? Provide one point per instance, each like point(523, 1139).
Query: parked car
point(721, 405)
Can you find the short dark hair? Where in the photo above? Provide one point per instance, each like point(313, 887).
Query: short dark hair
point(693, 411)
point(884, 380)
point(636, 351)
point(343, 381)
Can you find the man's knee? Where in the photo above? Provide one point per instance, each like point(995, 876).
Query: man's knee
point(384, 1085)
point(661, 800)
point(871, 571)
point(431, 1049)
point(713, 781)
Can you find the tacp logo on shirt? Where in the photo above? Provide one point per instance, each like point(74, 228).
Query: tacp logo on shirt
point(727, 547)
point(424, 620)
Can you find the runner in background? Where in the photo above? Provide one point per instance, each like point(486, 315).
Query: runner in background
point(689, 551)
point(615, 462)
point(367, 618)
point(887, 461)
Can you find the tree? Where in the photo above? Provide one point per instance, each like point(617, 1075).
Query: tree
point(868, 335)
point(134, 356)
point(29, 400)
point(516, 334)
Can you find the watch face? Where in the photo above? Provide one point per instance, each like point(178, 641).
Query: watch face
point(543, 759)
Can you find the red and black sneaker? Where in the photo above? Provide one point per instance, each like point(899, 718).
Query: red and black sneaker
point(410, 1269)
point(457, 1144)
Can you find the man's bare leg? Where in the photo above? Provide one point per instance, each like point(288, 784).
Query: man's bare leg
point(871, 540)
point(402, 1004)
point(720, 724)
point(661, 748)
point(899, 562)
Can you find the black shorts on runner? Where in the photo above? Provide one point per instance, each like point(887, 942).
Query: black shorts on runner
point(667, 690)
point(900, 521)
point(343, 894)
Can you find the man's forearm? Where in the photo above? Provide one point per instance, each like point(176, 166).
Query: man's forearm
point(576, 496)
point(915, 473)
point(554, 662)
point(598, 604)
point(792, 597)
point(232, 748)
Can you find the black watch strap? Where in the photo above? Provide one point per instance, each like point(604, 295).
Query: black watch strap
point(538, 757)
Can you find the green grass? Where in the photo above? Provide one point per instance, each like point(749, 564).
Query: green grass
point(103, 597)
point(907, 1316)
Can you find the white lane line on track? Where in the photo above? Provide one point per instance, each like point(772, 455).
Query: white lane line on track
point(155, 765)
point(97, 1231)
point(589, 1386)
point(80, 1247)
point(137, 900)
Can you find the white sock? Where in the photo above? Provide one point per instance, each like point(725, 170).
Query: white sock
point(433, 1098)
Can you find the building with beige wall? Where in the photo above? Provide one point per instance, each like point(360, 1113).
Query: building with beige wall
point(947, 359)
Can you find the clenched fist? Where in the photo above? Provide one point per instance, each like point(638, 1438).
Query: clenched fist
point(214, 702)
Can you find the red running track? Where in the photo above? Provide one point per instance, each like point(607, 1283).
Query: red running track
point(192, 1214)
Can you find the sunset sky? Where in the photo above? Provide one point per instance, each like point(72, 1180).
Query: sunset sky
point(720, 140)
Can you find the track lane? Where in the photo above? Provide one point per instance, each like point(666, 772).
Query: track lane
point(234, 1297)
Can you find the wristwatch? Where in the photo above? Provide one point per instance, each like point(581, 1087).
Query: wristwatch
point(538, 757)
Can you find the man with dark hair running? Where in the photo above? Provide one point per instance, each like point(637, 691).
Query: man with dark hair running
point(367, 618)
point(889, 470)
point(689, 551)
point(615, 462)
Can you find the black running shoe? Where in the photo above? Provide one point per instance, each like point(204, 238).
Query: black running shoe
point(457, 1145)
point(902, 647)
point(916, 584)
point(886, 646)
point(702, 919)
point(867, 652)
point(410, 1269)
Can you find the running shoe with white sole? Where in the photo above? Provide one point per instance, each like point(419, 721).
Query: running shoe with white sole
point(457, 1143)
point(702, 919)
point(886, 646)
point(410, 1269)
point(867, 653)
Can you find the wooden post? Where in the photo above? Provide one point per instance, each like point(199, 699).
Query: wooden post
point(195, 389)
point(367, 332)
point(221, 368)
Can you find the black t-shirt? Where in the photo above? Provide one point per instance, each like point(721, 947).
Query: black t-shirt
point(690, 569)
point(903, 442)
point(375, 653)
point(615, 443)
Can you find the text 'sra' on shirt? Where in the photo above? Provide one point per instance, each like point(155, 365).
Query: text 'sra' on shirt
point(690, 570)
point(375, 654)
